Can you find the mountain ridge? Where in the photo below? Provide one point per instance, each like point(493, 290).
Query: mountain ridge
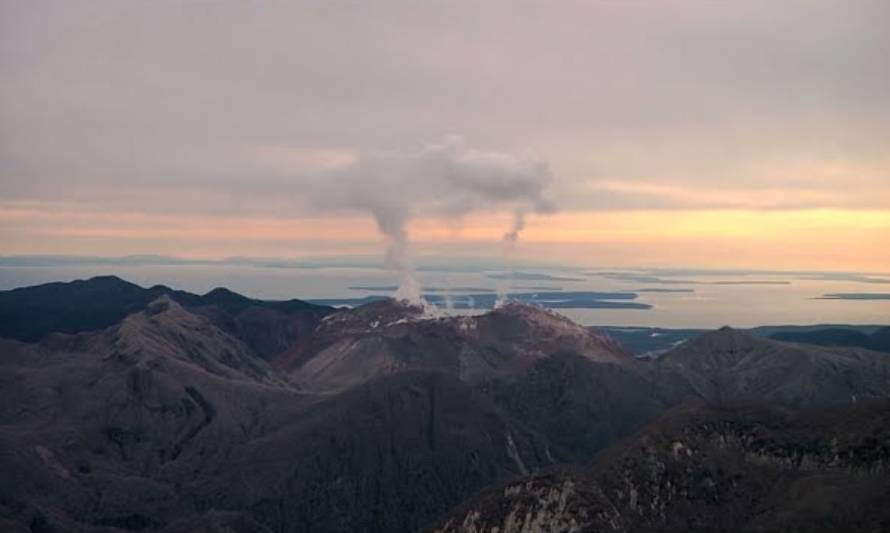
point(729, 365)
point(385, 417)
point(31, 313)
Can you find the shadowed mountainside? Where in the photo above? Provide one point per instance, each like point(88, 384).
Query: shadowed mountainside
point(31, 313)
point(878, 341)
point(731, 366)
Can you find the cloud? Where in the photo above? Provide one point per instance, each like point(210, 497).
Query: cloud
point(289, 160)
point(116, 103)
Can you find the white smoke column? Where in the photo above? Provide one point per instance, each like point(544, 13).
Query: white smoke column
point(391, 222)
point(510, 240)
point(449, 303)
point(500, 291)
point(447, 180)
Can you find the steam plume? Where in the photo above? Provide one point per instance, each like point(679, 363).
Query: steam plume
point(446, 179)
point(518, 225)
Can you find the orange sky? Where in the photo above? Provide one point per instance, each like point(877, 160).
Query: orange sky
point(811, 239)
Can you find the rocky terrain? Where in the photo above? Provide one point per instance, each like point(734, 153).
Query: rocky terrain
point(710, 469)
point(386, 337)
point(159, 410)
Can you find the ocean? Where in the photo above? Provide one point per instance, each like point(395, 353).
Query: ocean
point(678, 299)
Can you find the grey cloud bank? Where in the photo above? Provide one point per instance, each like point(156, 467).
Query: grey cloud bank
point(177, 106)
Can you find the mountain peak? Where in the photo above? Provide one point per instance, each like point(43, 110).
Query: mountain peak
point(540, 318)
point(221, 295)
point(529, 311)
point(725, 339)
point(108, 280)
point(167, 329)
point(221, 291)
point(163, 311)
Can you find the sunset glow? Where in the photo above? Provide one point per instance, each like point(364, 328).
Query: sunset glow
point(830, 239)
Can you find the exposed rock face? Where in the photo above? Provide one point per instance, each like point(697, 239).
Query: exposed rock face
point(744, 469)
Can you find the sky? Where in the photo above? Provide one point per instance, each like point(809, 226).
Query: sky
point(659, 133)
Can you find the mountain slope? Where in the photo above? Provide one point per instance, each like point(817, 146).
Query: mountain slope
point(388, 455)
point(31, 313)
point(710, 469)
point(581, 406)
point(101, 428)
point(147, 423)
point(381, 418)
point(878, 341)
point(163, 416)
point(733, 366)
point(385, 337)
